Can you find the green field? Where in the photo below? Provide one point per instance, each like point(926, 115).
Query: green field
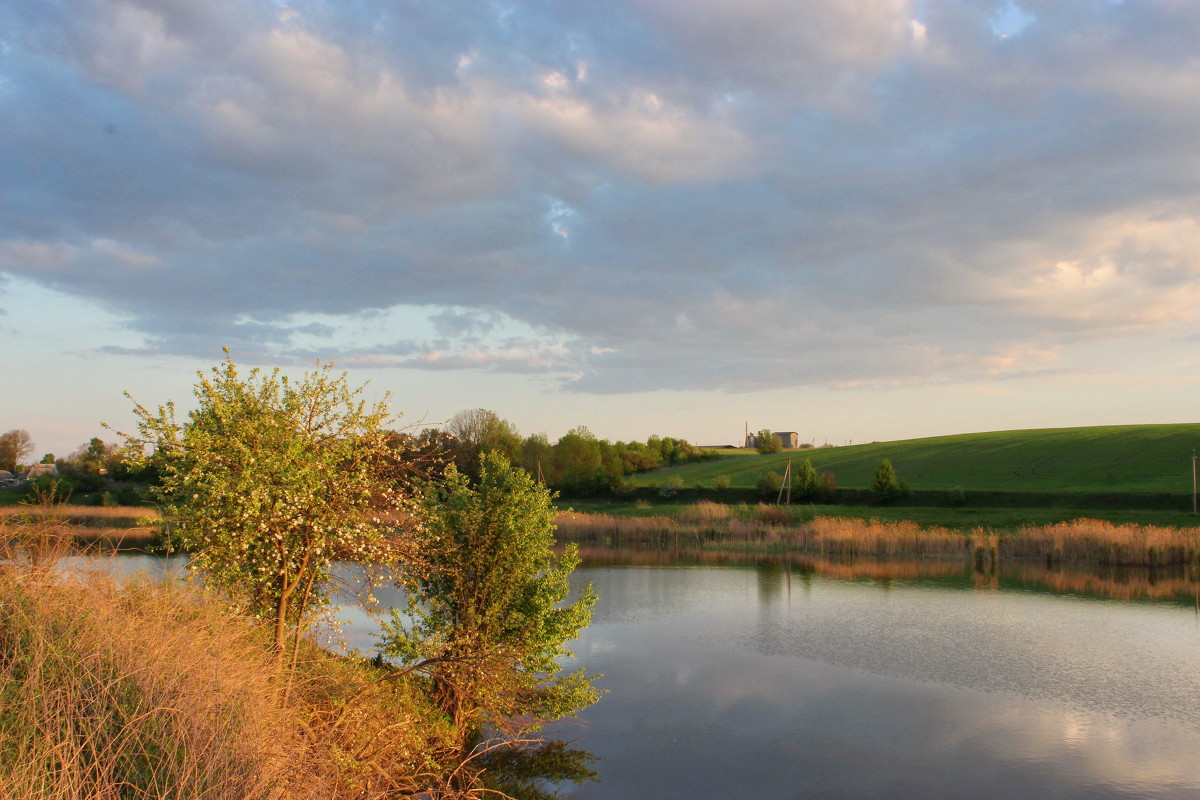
point(1126, 459)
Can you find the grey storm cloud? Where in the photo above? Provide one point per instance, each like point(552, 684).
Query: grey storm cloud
point(658, 193)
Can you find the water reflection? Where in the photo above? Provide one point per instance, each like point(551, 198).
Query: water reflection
point(771, 678)
point(1179, 584)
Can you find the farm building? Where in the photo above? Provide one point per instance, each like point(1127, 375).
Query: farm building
point(789, 439)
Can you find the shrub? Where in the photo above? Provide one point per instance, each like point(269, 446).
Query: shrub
point(721, 483)
point(805, 480)
point(672, 486)
point(129, 495)
point(484, 619)
point(770, 484)
point(884, 485)
point(827, 491)
point(47, 490)
point(956, 496)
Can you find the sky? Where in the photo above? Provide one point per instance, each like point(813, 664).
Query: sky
point(862, 220)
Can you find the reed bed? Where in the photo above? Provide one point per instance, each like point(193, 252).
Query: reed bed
point(1079, 541)
point(614, 529)
point(704, 512)
point(103, 517)
point(1099, 542)
point(848, 537)
point(821, 536)
point(83, 527)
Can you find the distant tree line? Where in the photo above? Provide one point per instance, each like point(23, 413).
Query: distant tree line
point(578, 463)
point(96, 471)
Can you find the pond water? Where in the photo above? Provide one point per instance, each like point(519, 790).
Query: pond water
point(762, 681)
point(772, 680)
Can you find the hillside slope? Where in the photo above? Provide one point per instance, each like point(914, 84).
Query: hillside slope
point(1146, 459)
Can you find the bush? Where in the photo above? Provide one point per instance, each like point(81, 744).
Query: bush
point(956, 496)
point(672, 487)
point(827, 491)
point(884, 485)
point(770, 484)
point(46, 490)
point(721, 483)
point(805, 480)
point(129, 495)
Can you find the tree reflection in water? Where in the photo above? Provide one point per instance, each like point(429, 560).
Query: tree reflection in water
point(530, 769)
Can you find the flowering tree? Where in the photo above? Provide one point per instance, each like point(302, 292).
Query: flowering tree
point(269, 481)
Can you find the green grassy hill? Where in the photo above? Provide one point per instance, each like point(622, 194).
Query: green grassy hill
point(1137, 459)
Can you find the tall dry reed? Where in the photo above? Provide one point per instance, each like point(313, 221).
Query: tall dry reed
point(704, 512)
point(854, 537)
point(1099, 542)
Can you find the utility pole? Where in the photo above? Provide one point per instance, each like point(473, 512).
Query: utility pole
point(787, 484)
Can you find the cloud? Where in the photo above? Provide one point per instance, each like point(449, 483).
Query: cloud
point(627, 196)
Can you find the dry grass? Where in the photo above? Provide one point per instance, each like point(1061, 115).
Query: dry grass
point(138, 691)
point(155, 691)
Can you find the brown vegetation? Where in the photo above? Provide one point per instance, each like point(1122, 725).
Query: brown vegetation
point(1101, 542)
point(703, 524)
point(103, 516)
point(156, 690)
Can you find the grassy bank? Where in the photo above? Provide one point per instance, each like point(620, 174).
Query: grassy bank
point(1087, 541)
point(158, 690)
